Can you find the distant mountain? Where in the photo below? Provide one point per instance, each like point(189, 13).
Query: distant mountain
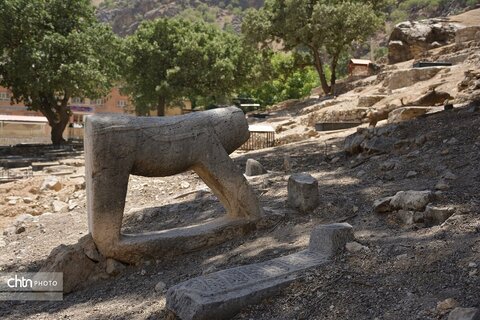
point(125, 15)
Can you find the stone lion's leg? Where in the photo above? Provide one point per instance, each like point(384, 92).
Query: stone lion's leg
point(109, 157)
point(106, 202)
point(227, 182)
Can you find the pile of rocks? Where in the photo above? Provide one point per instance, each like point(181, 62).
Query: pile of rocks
point(371, 140)
point(412, 207)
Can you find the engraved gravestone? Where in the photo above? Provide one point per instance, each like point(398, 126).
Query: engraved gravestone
point(220, 295)
point(117, 146)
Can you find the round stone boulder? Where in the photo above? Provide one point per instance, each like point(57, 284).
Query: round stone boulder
point(254, 168)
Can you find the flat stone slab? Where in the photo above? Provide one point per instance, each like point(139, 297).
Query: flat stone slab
point(41, 165)
point(222, 294)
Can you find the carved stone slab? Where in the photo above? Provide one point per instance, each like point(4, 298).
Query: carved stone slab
point(222, 294)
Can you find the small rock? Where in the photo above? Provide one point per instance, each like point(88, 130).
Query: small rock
point(411, 200)
point(20, 229)
point(355, 247)
point(452, 141)
point(446, 304)
point(143, 272)
point(444, 152)
point(355, 209)
point(335, 160)
point(27, 200)
point(472, 265)
point(51, 183)
point(114, 267)
point(59, 206)
point(160, 286)
point(437, 215)
point(12, 202)
point(449, 176)
point(254, 168)
point(382, 205)
point(184, 185)
point(388, 165)
point(72, 205)
point(24, 217)
point(2, 243)
point(361, 173)
point(472, 273)
point(411, 174)
point(442, 185)
point(464, 314)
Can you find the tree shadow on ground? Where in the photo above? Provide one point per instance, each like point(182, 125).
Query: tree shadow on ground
point(345, 196)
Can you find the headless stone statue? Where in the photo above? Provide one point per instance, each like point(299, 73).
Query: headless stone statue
point(117, 146)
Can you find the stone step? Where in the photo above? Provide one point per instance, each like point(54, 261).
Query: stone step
point(41, 165)
point(222, 294)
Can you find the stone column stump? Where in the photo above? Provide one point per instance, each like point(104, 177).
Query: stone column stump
point(303, 192)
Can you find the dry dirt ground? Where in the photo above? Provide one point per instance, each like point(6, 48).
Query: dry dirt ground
point(405, 270)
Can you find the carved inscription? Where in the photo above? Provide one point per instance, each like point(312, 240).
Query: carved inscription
point(222, 294)
point(240, 277)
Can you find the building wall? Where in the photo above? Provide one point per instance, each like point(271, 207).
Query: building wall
point(15, 110)
point(359, 70)
point(176, 110)
point(114, 102)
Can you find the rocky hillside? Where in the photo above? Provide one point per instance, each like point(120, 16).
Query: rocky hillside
point(125, 16)
point(406, 179)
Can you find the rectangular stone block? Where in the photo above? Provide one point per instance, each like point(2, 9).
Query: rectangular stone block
point(330, 239)
point(222, 294)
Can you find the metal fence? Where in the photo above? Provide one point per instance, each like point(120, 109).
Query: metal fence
point(259, 140)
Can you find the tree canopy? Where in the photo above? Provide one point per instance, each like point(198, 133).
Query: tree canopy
point(282, 76)
point(52, 50)
point(323, 28)
point(169, 59)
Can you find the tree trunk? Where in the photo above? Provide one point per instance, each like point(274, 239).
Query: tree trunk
point(57, 116)
point(57, 133)
point(333, 77)
point(319, 67)
point(161, 106)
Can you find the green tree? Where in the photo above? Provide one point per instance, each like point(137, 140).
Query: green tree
point(52, 50)
point(323, 28)
point(284, 76)
point(168, 59)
